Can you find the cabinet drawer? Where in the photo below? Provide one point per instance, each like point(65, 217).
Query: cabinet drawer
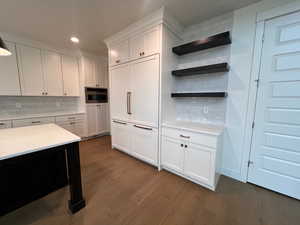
point(196, 138)
point(33, 121)
point(69, 118)
point(5, 124)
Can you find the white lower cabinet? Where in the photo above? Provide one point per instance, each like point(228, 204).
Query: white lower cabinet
point(73, 123)
point(97, 119)
point(5, 124)
point(187, 154)
point(136, 140)
point(33, 121)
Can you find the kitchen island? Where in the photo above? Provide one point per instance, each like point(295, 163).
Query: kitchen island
point(35, 161)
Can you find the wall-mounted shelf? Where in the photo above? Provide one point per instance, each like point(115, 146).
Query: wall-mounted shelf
point(200, 94)
point(214, 68)
point(209, 42)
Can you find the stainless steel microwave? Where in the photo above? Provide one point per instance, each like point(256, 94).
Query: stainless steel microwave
point(96, 95)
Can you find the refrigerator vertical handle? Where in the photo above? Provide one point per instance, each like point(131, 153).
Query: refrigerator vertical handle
point(129, 102)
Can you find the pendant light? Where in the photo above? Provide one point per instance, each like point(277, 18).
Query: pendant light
point(4, 51)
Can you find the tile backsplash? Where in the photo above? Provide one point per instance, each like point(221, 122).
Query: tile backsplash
point(11, 106)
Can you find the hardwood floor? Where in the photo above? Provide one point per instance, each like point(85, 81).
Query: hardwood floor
point(121, 190)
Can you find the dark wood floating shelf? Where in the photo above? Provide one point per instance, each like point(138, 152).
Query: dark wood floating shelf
point(209, 42)
point(200, 94)
point(215, 68)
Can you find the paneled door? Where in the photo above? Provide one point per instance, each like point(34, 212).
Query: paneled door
point(9, 75)
point(31, 72)
point(120, 92)
point(276, 139)
point(52, 74)
point(145, 91)
point(70, 75)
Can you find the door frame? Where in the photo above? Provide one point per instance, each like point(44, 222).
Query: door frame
point(255, 73)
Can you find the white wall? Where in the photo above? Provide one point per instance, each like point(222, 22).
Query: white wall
point(235, 155)
point(203, 110)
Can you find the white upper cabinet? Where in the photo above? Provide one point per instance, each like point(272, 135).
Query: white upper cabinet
point(89, 72)
point(70, 76)
point(144, 44)
point(119, 52)
point(9, 75)
point(52, 74)
point(31, 73)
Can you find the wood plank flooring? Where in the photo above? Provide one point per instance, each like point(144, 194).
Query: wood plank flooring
point(121, 190)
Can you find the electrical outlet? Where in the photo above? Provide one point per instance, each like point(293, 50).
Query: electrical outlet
point(18, 105)
point(205, 109)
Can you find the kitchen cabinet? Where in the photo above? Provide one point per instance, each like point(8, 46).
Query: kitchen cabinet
point(121, 138)
point(173, 154)
point(53, 80)
point(5, 123)
point(145, 89)
point(119, 52)
point(31, 72)
point(9, 77)
point(70, 73)
point(194, 155)
point(74, 123)
point(144, 44)
point(97, 119)
point(94, 73)
point(120, 91)
point(145, 143)
point(32, 121)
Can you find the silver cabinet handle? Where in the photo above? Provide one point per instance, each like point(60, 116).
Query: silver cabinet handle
point(36, 122)
point(184, 136)
point(145, 128)
point(119, 122)
point(71, 118)
point(2, 124)
point(129, 103)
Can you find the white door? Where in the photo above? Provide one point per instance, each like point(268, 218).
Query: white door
point(70, 76)
point(172, 154)
point(99, 75)
point(119, 93)
point(151, 41)
point(89, 72)
point(9, 75)
point(145, 86)
point(92, 119)
point(145, 143)
point(52, 73)
point(101, 117)
point(121, 136)
point(137, 46)
point(276, 139)
point(198, 163)
point(31, 73)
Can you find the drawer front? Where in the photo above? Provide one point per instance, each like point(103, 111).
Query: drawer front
point(33, 121)
point(69, 118)
point(5, 124)
point(196, 138)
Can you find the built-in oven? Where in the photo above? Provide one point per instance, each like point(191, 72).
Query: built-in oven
point(96, 95)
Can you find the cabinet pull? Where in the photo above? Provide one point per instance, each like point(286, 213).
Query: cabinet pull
point(2, 124)
point(184, 136)
point(181, 145)
point(71, 118)
point(118, 61)
point(129, 103)
point(119, 122)
point(72, 123)
point(36, 122)
point(145, 128)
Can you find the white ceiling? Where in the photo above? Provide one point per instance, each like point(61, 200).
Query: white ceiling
point(54, 21)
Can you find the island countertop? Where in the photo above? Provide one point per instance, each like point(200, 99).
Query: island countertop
point(23, 140)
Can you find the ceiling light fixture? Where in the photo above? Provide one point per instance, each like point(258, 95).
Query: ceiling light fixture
point(74, 39)
point(4, 51)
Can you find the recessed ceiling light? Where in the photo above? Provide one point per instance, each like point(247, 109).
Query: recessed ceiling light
point(74, 39)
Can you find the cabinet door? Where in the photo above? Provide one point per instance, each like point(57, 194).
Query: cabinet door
point(151, 42)
point(120, 87)
point(9, 75)
point(121, 136)
point(31, 73)
point(92, 119)
point(89, 72)
point(101, 116)
point(99, 75)
point(145, 86)
point(52, 73)
point(119, 53)
point(70, 76)
point(172, 154)
point(137, 46)
point(145, 143)
point(199, 163)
